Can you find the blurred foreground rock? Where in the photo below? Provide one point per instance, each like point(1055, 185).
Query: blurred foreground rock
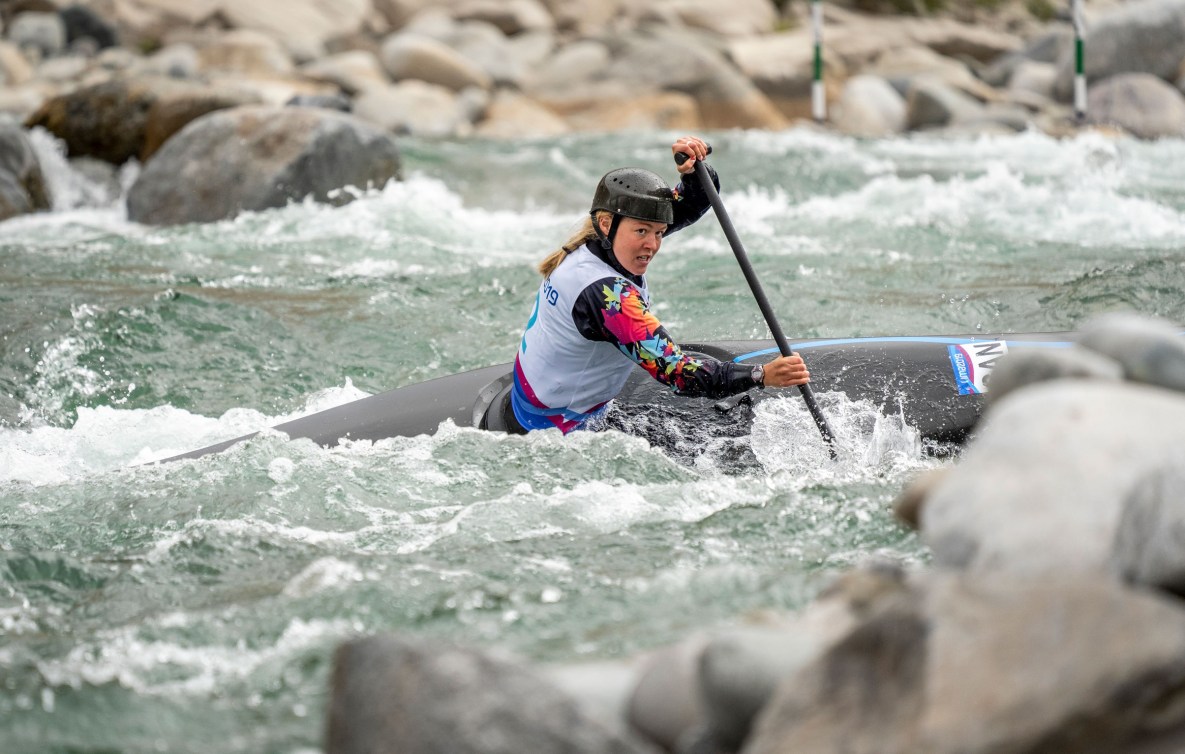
point(1050, 619)
point(392, 694)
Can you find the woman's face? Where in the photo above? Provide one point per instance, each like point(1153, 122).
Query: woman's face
point(636, 242)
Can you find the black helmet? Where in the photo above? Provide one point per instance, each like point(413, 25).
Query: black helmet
point(636, 193)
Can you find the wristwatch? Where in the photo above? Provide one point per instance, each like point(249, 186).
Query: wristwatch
point(758, 375)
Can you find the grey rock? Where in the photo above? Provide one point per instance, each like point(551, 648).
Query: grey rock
point(1039, 491)
point(990, 664)
point(739, 671)
point(22, 184)
point(509, 16)
point(1150, 351)
point(1147, 36)
point(181, 103)
point(601, 689)
point(395, 694)
point(45, 33)
point(665, 706)
point(413, 56)
point(1020, 368)
point(418, 109)
point(1139, 103)
point(869, 106)
point(243, 52)
point(907, 506)
point(1150, 542)
point(571, 67)
point(997, 116)
point(106, 120)
point(257, 157)
point(353, 72)
point(179, 61)
point(328, 101)
point(81, 23)
point(932, 103)
point(1046, 48)
point(665, 59)
point(1035, 77)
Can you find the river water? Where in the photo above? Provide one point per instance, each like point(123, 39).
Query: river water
point(154, 608)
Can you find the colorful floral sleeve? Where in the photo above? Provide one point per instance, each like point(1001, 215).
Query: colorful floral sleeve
point(691, 201)
point(613, 310)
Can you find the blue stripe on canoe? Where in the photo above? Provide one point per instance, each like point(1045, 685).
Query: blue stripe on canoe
point(946, 341)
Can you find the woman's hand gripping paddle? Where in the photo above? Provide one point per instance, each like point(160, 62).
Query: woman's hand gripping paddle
point(808, 395)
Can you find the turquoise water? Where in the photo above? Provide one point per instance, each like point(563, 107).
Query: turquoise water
point(158, 608)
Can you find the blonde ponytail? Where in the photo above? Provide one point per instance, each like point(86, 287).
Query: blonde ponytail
point(580, 238)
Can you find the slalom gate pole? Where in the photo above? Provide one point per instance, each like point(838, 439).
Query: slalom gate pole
point(818, 93)
point(1079, 23)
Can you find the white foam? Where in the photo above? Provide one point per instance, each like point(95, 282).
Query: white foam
point(161, 667)
point(870, 444)
point(68, 188)
point(106, 438)
point(321, 575)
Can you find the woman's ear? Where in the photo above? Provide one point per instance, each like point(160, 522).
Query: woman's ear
point(604, 222)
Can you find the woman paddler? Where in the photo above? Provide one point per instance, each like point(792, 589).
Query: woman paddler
point(592, 320)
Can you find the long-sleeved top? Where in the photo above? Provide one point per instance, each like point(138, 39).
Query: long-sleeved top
point(592, 323)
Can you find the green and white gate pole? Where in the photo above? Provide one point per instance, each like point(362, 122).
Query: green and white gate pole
point(1079, 60)
point(818, 95)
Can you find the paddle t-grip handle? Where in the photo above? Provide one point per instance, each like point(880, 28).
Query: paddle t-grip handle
point(682, 157)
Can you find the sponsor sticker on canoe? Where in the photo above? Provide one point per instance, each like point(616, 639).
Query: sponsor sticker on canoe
point(973, 364)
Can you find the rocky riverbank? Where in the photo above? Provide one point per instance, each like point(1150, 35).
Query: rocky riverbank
point(1049, 620)
point(119, 80)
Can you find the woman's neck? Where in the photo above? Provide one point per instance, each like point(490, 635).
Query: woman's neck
point(608, 257)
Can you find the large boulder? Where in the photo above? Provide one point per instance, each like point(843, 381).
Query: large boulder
point(303, 26)
point(86, 29)
point(353, 72)
point(506, 60)
point(396, 694)
point(509, 16)
point(242, 51)
point(869, 107)
point(1147, 36)
point(668, 59)
point(580, 17)
point(511, 115)
point(113, 120)
point(409, 55)
point(743, 17)
point(22, 184)
point(1140, 104)
point(418, 108)
point(569, 73)
point(104, 120)
point(176, 108)
point(953, 663)
point(257, 157)
point(42, 35)
point(1041, 489)
point(963, 41)
point(661, 111)
point(782, 67)
point(931, 103)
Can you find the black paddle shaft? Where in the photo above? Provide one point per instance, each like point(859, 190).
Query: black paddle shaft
point(767, 311)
